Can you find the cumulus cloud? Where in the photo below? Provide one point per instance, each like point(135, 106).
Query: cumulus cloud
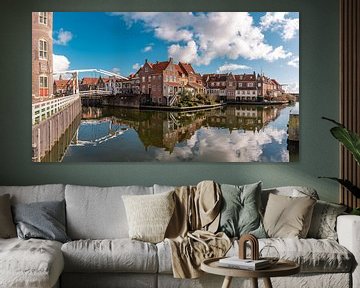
point(230, 67)
point(60, 63)
point(202, 37)
point(222, 146)
point(63, 37)
point(294, 62)
point(136, 66)
point(186, 53)
point(279, 21)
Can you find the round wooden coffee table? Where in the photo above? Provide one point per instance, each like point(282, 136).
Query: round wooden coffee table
point(281, 268)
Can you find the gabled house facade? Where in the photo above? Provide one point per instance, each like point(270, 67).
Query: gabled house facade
point(241, 87)
point(92, 83)
point(162, 81)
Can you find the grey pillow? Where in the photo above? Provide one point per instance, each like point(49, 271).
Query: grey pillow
point(323, 222)
point(44, 220)
point(240, 212)
point(7, 227)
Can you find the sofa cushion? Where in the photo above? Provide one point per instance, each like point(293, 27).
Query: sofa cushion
point(117, 255)
point(323, 222)
point(291, 191)
point(287, 216)
point(7, 226)
point(240, 210)
point(313, 255)
point(149, 215)
point(35, 193)
point(98, 213)
point(42, 220)
point(30, 263)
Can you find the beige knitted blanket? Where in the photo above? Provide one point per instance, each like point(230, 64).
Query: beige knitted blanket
point(191, 231)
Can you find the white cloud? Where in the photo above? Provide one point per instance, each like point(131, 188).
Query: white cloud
point(278, 21)
point(63, 37)
point(147, 48)
point(294, 62)
point(222, 146)
point(202, 37)
point(136, 66)
point(229, 67)
point(292, 87)
point(186, 53)
point(60, 63)
point(116, 70)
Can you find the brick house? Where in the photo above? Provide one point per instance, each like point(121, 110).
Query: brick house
point(42, 56)
point(241, 87)
point(215, 85)
point(62, 87)
point(162, 81)
point(92, 83)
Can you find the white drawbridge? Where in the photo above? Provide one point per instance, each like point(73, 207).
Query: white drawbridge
point(75, 75)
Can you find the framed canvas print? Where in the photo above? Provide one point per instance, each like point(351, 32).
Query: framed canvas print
point(165, 86)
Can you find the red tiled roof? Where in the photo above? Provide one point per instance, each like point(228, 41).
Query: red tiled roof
point(160, 66)
point(89, 81)
point(273, 80)
point(187, 67)
point(60, 84)
point(245, 77)
point(179, 70)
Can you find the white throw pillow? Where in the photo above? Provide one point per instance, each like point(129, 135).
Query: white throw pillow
point(149, 215)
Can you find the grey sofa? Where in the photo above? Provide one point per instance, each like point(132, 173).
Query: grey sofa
point(101, 255)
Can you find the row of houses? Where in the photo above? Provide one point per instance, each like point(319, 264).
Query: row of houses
point(162, 83)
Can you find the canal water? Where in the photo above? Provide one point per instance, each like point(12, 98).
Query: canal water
point(233, 133)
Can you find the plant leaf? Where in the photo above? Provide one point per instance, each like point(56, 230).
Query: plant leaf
point(347, 184)
point(349, 139)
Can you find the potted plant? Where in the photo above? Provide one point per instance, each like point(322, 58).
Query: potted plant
point(351, 141)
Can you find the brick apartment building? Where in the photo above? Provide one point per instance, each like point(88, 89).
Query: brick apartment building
point(42, 56)
point(241, 87)
point(161, 81)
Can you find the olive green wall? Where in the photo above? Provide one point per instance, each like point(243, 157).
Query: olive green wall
point(319, 74)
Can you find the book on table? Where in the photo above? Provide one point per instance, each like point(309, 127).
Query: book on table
point(249, 264)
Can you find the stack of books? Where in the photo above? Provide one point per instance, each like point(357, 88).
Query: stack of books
point(248, 264)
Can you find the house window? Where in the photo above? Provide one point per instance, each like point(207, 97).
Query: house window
point(146, 69)
point(43, 18)
point(43, 49)
point(44, 86)
point(143, 78)
point(250, 84)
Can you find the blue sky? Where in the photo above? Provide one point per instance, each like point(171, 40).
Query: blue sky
point(213, 42)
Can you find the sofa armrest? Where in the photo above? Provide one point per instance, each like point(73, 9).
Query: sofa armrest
point(348, 230)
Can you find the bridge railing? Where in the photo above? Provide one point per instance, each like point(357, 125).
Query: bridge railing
point(86, 93)
point(44, 109)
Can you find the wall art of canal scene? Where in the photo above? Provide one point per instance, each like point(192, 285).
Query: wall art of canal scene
point(165, 87)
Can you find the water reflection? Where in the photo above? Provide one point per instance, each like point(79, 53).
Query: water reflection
point(243, 133)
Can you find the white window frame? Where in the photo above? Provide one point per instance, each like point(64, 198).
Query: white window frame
point(43, 18)
point(43, 52)
point(47, 81)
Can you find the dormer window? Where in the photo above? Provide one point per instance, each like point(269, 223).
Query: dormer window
point(43, 18)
